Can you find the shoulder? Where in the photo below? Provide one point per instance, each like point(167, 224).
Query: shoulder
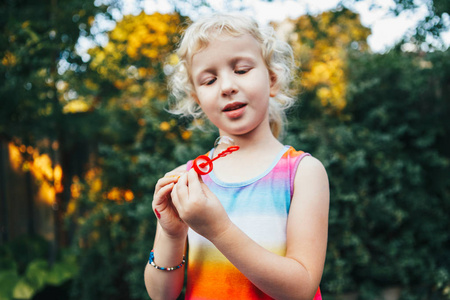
point(311, 176)
point(304, 162)
point(309, 167)
point(310, 164)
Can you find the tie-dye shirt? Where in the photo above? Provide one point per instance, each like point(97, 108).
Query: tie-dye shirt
point(260, 208)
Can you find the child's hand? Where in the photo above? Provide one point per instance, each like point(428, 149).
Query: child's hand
point(199, 207)
point(164, 209)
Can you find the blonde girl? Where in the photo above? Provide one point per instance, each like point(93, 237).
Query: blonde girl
point(256, 226)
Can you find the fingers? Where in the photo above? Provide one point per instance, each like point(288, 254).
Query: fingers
point(167, 179)
point(195, 181)
point(187, 195)
point(180, 191)
point(164, 187)
point(172, 177)
point(162, 194)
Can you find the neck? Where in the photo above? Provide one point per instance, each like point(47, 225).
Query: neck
point(261, 139)
point(257, 152)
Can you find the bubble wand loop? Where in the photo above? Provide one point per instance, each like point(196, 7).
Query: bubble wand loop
point(203, 164)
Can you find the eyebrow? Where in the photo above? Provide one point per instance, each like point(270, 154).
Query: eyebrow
point(234, 61)
point(237, 59)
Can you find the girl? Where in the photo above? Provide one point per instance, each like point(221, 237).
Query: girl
point(257, 224)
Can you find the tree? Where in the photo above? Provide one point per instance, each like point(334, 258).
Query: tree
point(321, 45)
point(429, 30)
point(386, 154)
point(37, 36)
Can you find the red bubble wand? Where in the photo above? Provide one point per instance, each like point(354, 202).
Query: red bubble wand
point(203, 164)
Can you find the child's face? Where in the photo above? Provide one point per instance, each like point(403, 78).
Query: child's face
point(232, 84)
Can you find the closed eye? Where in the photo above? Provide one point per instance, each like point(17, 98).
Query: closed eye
point(209, 81)
point(241, 71)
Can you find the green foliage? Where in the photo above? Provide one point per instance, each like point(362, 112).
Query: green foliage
point(387, 156)
point(36, 37)
point(25, 272)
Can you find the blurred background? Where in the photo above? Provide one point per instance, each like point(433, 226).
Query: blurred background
point(84, 136)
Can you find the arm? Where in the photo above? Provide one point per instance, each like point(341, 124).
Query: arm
point(298, 274)
point(169, 245)
point(168, 253)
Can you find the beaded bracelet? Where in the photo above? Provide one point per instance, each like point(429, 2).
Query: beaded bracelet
point(151, 260)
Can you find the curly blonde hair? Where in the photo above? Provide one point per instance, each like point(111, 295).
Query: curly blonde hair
point(277, 55)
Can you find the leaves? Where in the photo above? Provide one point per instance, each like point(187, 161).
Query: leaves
point(37, 37)
point(8, 278)
point(38, 274)
point(321, 45)
point(385, 162)
point(23, 290)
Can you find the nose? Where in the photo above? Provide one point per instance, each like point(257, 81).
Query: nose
point(228, 86)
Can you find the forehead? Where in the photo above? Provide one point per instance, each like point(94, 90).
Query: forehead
point(200, 34)
point(224, 46)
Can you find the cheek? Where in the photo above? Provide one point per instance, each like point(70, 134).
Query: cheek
point(206, 97)
point(208, 106)
point(260, 84)
point(261, 92)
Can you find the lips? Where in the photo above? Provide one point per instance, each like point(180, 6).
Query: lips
point(234, 110)
point(233, 106)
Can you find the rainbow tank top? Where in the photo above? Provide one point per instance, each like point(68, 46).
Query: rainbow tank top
point(259, 207)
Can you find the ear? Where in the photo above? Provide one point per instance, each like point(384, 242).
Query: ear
point(274, 85)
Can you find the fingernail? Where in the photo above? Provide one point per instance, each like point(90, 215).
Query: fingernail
point(158, 215)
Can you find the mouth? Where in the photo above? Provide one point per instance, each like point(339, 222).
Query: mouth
point(234, 110)
point(233, 106)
